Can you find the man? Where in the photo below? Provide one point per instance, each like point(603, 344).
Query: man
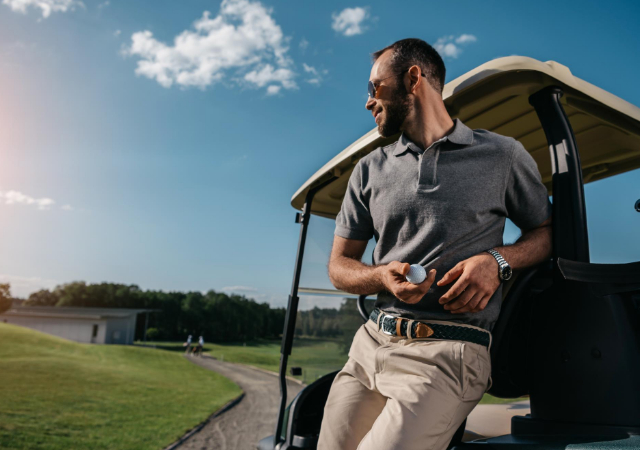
point(200, 346)
point(437, 197)
point(187, 345)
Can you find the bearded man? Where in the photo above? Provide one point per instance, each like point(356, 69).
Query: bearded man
point(437, 197)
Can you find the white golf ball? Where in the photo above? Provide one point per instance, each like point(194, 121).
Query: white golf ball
point(416, 274)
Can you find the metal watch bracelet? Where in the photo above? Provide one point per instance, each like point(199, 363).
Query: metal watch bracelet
point(504, 272)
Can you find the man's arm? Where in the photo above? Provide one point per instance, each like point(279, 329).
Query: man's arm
point(532, 248)
point(348, 273)
point(477, 277)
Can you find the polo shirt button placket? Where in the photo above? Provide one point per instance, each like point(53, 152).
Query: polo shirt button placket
point(427, 175)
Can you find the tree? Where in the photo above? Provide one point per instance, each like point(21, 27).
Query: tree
point(5, 297)
point(215, 315)
point(43, 297)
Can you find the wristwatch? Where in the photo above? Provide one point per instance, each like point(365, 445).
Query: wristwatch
point(504, 271)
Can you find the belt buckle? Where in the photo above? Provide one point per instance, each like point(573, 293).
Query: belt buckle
point(381, 320)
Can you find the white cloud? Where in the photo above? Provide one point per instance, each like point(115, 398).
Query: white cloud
point(243, 38)
point(464, 38)
point(117, 33)
point(268, 74)
point(304, 44)
point(447, 47)
point(23, 286)
point(46, 6)
point(16, 197)
point(273, 90)
point(315, 74)
point(274, 300)
point(350, 21)
point(240, 288)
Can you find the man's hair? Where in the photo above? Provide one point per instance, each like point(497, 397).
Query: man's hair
point(416, 52)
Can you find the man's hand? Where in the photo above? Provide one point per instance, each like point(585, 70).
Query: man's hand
point(394, 280)
point(477, 281)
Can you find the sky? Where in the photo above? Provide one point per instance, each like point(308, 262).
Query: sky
point(159, 142)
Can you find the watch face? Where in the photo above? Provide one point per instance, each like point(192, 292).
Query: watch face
point(506, 273)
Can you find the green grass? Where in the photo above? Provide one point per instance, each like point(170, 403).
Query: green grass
point(56, 394)
point(317, 357)
point(491, 400)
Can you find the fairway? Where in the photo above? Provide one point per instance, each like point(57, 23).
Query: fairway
point(317, 357)
point(56, 394)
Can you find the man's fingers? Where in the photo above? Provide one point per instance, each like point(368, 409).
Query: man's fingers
point(451, 275)
point(482, 304)
point(473, 300)
point(454, 291)
point(402, 268)
point(407, 289)
point(431, 277)
point(461, 301)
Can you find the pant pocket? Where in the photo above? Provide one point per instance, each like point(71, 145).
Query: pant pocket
point(473, 373)
point(355, 338)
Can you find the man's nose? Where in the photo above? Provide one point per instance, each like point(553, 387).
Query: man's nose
point(370, 102)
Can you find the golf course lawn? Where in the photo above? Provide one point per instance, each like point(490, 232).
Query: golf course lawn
point(317, 357)
point(57, 394)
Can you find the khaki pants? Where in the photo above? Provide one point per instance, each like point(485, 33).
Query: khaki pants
point(396, 393)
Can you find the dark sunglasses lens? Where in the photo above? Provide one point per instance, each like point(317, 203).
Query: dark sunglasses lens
point(372, 90)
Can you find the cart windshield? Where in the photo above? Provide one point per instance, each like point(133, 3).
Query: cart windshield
point(612, 219)
point(328, 319)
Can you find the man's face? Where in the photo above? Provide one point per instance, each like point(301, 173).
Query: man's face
point(393, 104)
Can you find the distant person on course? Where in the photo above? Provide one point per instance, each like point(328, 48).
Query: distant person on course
point(200, 346)
point(188, 345)
point(437, 197)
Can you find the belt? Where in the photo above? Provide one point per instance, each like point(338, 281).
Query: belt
point(399, 326)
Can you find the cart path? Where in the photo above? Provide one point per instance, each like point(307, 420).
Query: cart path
point(252, 419)
point(494, 420)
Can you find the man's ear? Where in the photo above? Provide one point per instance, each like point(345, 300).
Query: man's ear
point(414, 78)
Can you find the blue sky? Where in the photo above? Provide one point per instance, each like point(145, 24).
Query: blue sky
point(177, 178)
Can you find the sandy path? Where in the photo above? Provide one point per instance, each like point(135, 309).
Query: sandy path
point(254, 418)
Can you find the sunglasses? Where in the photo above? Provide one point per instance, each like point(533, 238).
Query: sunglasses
point(371, 87)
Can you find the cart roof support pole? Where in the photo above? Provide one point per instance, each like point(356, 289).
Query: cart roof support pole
point(570, 237)
point(292, 307)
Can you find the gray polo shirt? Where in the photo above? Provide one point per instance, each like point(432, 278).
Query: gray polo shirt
point(441, 206)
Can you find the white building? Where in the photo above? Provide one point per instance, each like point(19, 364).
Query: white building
point(88, 325)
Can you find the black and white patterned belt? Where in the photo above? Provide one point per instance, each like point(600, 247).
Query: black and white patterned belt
point(399, 326)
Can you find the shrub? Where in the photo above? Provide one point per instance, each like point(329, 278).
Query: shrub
point(152, 334)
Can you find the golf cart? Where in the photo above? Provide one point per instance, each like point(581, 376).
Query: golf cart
point(568, 335)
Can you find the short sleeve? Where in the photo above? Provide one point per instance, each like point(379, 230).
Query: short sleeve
point(526, 198)
point(354, 219)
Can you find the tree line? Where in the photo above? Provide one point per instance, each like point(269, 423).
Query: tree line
point(217, 316)
point(339, 323)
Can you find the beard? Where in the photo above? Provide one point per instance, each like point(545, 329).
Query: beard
point(396, 110)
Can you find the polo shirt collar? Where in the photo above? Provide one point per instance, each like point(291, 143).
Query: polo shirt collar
point(461, 134)
point(405, 144)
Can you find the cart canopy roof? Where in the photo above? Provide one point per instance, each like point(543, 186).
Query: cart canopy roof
point(495, 97)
